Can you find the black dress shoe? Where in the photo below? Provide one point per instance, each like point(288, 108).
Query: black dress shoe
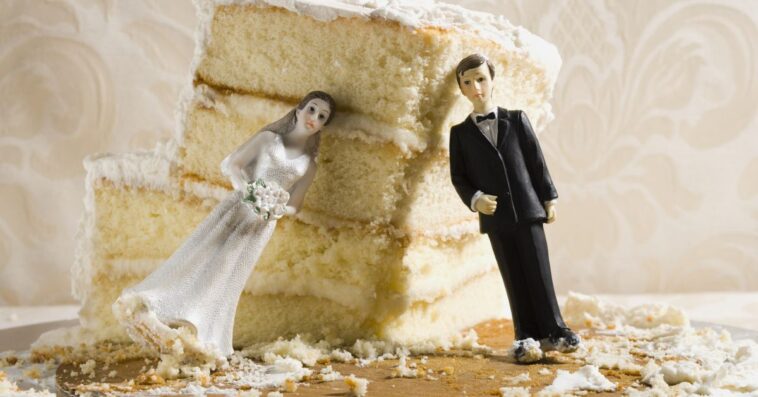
point(526, 351)
point(563, 340)
point(519, 351)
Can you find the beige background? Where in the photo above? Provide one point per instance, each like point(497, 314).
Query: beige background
point(654, 148)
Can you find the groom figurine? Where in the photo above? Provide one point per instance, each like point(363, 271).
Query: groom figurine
point(497, 168)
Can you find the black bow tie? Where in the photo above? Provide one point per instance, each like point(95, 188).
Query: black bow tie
point(490, 116)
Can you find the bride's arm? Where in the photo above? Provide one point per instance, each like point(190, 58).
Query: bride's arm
point(244, 157)
point(298, 190)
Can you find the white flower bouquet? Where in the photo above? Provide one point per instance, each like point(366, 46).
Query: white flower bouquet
point(268, 200)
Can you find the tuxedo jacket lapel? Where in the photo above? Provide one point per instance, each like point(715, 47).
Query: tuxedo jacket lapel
point(503, 127)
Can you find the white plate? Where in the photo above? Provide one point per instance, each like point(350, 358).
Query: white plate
point(20, 338)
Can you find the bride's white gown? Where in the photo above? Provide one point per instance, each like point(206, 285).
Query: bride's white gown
point(201, 282)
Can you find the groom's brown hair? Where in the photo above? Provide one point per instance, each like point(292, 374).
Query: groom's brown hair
point(470, 62)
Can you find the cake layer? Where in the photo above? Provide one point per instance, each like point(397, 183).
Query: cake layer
point(264, 318)
point(267, 317)
point(368, 172)
point(393, 63)
point(136, 229)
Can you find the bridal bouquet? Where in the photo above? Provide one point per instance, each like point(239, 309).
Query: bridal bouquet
point(266, 199)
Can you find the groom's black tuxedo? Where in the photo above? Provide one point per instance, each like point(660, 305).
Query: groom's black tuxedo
point(520, 179)
point(514, 171)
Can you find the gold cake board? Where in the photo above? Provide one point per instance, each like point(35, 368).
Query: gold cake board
point(452, 373)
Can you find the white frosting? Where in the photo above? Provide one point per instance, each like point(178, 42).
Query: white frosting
point(208, 192)
point(520, 378)
point(613, 353)
point(515, 392)
point(402, 370)
point(348, 295)
point(149, 169)
point(297, 349)
point(327, 374)
point(584, 311)
point(453, 232)
point(414, 14)
point(678, 359)
point(586, 378)
point(363, 128)
point(429, 287)
point(348, 125)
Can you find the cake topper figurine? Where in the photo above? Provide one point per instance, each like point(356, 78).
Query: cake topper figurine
point(497, 168)
point(186, 307)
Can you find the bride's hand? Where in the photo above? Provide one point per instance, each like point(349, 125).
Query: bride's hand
point(290, 210)
point(239, 184)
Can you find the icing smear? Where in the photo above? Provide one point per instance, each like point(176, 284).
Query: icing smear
point(148, 168)
point(349, 125)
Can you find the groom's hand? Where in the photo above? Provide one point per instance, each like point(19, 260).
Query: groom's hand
point(486, 204)
point(550, 211)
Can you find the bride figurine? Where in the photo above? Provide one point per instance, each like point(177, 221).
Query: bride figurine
point(186, 307)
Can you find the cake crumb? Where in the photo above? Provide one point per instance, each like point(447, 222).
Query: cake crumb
point(33, 373)
point(327, 374)
point(587, 378)
point(520, 378)
point(514, 392)
point(112, 374)
point(88, 368)
point(249, 393)
point(341, 356)
point(290, 386)
point(9, 360)
point(545, 371)
point(274, 394)
point(402, 370)
point(358, 386)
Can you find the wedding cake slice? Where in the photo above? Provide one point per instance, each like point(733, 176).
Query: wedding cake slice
point(383, 248)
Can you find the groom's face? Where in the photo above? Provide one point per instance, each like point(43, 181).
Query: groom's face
point(476, 84)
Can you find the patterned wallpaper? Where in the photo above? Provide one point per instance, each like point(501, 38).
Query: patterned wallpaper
point(653, 148)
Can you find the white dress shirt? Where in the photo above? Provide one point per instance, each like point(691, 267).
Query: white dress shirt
point(488, 128)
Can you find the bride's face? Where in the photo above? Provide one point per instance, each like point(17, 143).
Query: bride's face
point(312, 116)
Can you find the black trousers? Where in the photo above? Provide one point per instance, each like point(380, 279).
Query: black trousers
point(522, 257)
